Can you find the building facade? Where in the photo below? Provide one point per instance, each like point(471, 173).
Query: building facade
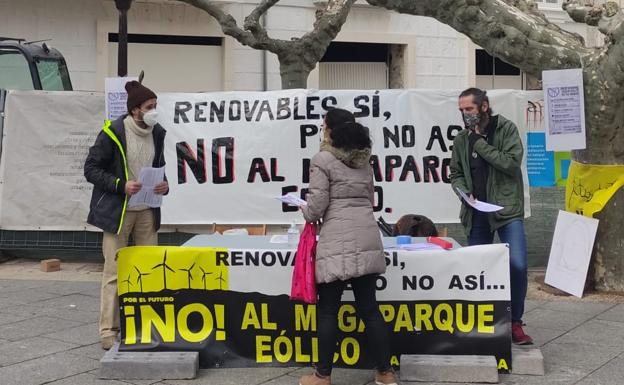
point(182, 48)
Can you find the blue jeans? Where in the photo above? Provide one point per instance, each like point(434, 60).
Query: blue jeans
point(512, 234)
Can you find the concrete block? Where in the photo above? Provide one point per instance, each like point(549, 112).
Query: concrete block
point(49, 265)
point(148, 365)
point(448, 368)
point(527, 361)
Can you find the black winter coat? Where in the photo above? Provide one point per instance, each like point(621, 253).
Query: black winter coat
point(107, 169)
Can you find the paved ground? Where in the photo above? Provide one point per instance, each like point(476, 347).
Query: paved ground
point(48, 335)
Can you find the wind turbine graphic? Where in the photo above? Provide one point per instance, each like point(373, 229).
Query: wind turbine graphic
point(190, 275)
point(165, 267)
point(221, 280)
point(140, 277)
point(127, 281)
point(205, 273)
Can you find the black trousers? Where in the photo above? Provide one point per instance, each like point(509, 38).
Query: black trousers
point(367, 309)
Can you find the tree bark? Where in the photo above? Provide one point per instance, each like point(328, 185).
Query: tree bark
point(607, 267)
point(294, 71)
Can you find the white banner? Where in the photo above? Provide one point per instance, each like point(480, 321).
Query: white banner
point(230, 153)
point(46, 139)
point(478, 272)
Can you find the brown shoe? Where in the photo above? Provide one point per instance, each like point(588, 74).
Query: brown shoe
point(315, 379)
point(107, 342)
point(385, 378)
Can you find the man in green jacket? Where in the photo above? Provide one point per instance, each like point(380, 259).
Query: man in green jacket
point(485, 165)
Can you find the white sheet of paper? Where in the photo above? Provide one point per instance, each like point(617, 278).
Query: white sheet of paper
point(292, 199)
point(570, 252)
point(477, 204)
point(149, 178)
point(564, 108)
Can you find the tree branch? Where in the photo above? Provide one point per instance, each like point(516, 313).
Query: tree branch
point(252, 22)
point(502, 29)
point(327, 25)
point(256, 38)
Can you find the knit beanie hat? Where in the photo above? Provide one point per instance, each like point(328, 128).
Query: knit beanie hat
point(137, 94)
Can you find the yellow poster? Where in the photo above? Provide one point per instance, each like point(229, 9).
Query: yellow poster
point(590, 186)
point(144, 269)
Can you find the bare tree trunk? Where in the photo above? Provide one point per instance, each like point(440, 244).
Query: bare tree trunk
point(293, 76)
point(607, 268)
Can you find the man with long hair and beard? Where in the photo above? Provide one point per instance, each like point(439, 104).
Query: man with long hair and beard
point(485, 165)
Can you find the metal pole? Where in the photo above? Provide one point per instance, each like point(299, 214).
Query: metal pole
point(122, 53)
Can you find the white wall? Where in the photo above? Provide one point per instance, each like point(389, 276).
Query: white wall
point(70, 25)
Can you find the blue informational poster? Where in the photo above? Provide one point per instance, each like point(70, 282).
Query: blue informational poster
point(540, 163)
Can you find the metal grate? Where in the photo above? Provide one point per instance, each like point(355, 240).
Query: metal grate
point(71, 240)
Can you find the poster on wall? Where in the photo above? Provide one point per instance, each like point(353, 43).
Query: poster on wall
point(544, 168)
point(540, 162)
point(564, 109)
point(116, 96)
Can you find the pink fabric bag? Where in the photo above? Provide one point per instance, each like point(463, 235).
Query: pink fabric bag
point(303, 287)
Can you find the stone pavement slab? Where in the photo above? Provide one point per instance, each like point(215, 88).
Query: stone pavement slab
point(34, 327)
point(27, 297)
point(7, 316)
point(553, 319)
point(85, 379)
point(11, 285)
point(542, 336)
point(557, 375)
point(72, 302)
point(228, 376)
point(448, 368)
point(576, 355)
point(615, 314)
point(91, 289)
point(593, 308)
point(595, 332)
point(80, 335)
point(611, 373)
point(46, 369)
point(27, 269)
point(67, 312)
point(93, 351)
point(27, 349)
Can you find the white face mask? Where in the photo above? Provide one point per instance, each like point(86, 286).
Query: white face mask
point(150, 117)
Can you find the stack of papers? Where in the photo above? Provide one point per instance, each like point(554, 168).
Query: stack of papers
point(292, 199)
point(149, 178)
point(477, 204)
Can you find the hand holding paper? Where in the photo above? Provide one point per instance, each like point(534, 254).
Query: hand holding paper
point(292, 199)
point(481, 206)
point(149, 178)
